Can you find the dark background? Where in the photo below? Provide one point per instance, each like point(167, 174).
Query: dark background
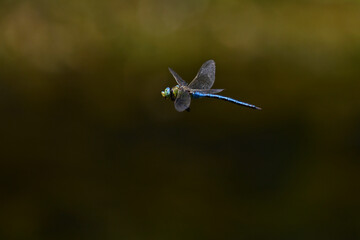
point(90, 150)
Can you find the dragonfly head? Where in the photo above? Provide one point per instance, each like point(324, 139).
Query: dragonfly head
point(166, 93)
point(170, 93)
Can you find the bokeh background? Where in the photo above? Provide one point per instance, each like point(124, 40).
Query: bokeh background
point(90, 150)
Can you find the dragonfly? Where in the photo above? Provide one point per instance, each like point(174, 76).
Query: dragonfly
point(199, 87)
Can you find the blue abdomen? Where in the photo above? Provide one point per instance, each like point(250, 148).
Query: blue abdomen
point(197, 95)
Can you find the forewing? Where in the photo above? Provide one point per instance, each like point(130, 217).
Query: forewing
point(205, 78)
point(178, 79)
point(183, 100)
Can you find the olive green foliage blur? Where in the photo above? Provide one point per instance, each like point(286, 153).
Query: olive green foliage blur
point(90, 149)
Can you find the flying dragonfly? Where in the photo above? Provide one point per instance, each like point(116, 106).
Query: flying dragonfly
point(200, 87)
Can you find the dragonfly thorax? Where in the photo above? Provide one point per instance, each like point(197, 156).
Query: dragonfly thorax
point(170, 93)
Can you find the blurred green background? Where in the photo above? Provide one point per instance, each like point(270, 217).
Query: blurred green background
point(90, 149)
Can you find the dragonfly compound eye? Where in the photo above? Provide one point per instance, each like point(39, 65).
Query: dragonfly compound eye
point(166, 93)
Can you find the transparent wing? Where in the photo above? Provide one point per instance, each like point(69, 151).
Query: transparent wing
point(178, 79)
point(183, 100)
point(205, 78)
point(211, 91)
